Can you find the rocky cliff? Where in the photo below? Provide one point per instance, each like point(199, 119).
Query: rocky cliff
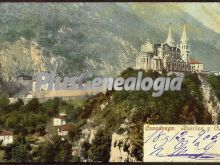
point(111, 124)
point(21, 57)
point(210, 100)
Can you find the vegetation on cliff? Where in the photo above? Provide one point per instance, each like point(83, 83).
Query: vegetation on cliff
point(136, 108)
point(108, 112)
point(214, 81)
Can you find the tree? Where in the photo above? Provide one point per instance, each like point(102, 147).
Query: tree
point(60, 150)
point(4, 101)
point(11, 35)
point(47, 152)
point(41, 129)
point(28, 34)
point(33, 105)
point(11, 121)
point(18, 104)
point(100, 147)
point(63, 149)
point(1, 141)
point(85, 147)
point(18, 151)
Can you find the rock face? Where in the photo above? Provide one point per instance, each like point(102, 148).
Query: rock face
point(20, 57)
point(210, 100)
point(120, 149)
point(122, 56)
point(88, 135)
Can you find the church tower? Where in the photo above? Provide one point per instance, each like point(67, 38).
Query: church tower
point(170, 40)
point(184, 46)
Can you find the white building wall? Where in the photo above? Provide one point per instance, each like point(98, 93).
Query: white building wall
point(62, 133)
point(43, 87)
point(58, 122)
point(8, 139)
point(196, 67)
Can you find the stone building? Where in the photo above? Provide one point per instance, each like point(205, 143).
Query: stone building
point(59, 120)
point(64, 130)
point(6, 137)
point(196, 66)
point(168, 55)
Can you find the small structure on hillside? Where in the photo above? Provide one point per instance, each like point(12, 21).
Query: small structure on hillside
point(168, 55)
point(25, 80)
point(6, 137)
point(63, 130)
point(24, 77)
point(196, 66)
point(59, 120)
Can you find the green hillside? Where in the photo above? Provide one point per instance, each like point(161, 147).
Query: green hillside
point(136, 108)
point(116, 112)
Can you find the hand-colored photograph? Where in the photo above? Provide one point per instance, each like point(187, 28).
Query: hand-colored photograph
point(109, 82)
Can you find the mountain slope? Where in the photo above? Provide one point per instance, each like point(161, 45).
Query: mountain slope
point(102, 38)
point(204, 42)
point(117, 118)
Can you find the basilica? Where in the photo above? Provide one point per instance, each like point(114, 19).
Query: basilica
point(168, 55)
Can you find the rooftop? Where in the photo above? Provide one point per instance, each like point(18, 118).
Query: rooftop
point(194, 61)
point(25, 77)
point(60, 117)
point(5, 133)
point(67, 127)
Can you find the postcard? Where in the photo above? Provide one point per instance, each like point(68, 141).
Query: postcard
point(109, 82)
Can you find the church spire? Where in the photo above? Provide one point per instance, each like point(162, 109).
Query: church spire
point(184, 38)
point(170, 39)
point(184, 46)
